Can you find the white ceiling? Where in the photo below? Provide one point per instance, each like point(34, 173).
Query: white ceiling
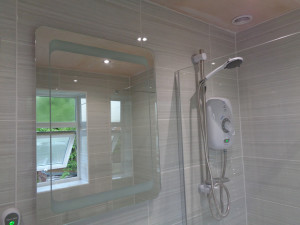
point(221, 12)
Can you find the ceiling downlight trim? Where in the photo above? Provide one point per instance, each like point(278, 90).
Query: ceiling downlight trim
point(241, 20)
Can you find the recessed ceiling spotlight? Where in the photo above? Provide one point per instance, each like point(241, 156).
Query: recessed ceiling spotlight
point(142, 38)
point(75, 81)
point(243, 19)
point(106, 61)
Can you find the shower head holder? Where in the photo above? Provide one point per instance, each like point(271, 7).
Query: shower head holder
point(196, 58)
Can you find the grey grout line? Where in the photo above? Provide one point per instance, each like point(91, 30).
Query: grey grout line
point(250, 118)
point(274, 159)
point(174, 11)
point(277, 203)
point(201, 214)
point(25, 121)
point(16, 141)
point(210, 54)
point(9, 41)
point(185, 15)
point(7, 120)
point(7, 203)
point(269, 20)
point(25, 43)
point(169, 170)
point(256, 216)
point(148, 208)
point(265, 74)
point(241, 137)
point(209, 43)
point(277, 141)
point(269, 142)
point(268, 42)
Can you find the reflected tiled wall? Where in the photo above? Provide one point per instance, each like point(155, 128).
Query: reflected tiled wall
point(144, 130)
point(269, 98)
point(173, 38)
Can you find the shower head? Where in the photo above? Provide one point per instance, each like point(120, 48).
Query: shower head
point(230, 64)
point(234, 62)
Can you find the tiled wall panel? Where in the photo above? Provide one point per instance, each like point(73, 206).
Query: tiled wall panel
point(8, 92)
point(173, 38)
point(269, 100)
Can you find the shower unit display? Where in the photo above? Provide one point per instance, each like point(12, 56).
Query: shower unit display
point(216, 130)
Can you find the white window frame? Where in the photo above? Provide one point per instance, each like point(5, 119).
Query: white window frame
point(74, 181)
point(71, 135)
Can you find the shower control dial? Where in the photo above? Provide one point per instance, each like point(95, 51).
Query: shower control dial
point(226, 125)
point(11, 216)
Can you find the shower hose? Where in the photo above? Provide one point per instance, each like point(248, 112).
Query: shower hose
point(214, 184)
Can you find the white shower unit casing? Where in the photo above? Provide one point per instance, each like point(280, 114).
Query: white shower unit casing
point(220, 130)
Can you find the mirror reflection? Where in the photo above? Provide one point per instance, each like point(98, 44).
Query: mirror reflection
point(97, 140)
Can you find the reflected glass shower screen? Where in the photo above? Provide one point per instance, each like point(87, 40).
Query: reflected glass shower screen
point(145, 182)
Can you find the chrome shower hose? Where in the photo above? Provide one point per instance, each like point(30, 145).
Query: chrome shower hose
point(220, 213)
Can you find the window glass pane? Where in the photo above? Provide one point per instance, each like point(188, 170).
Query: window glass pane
point(63, 109)
point(42, 109)
point(115, 111)
point(83, 109)
point(61, 150)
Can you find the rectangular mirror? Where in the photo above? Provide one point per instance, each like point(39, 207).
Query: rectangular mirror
point(97, 139)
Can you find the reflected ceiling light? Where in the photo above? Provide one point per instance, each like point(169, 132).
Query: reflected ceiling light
point(213, 63)
point(75, 81)
point(141, 37)
point(106, 61)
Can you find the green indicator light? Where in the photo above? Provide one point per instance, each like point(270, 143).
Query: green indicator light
point(12, 223)
point(226, 140)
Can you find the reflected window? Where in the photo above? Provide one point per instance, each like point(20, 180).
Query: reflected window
point(59, 135)
point(62, 144)
point(83, 110)
point(63, 109)
point(115, 111)
point(120, 139)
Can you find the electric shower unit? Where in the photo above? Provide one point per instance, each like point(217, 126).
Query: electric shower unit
point(217, 132)
point(220, 131)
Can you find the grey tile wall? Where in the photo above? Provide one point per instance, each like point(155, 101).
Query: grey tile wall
point(276, 28)
point(269, 99)
point(173, 38)
point(8, 116)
